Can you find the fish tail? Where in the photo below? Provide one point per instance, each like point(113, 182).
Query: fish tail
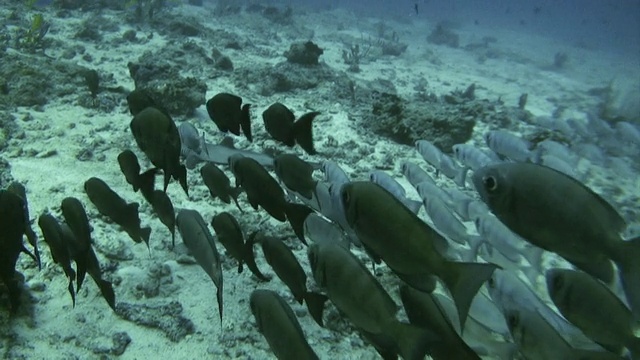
point(145, 234)
point(245, 121)
point(219, 297)
point(182, 178)
point(461, 177)
point(463, 279)
point(412, 342)
point(628, 260)
point(106, 289)
point(315, 305)
point(297, 214)
point(72, 292)
point(250, 260)
point(302, 131)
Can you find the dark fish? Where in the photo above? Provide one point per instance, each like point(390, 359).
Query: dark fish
point(358, 295)
point(18, 189)
point(130, 168)
point(594, 309)
point(281, 124)
point(60, 252)
point(77, 234)
point(264, 191)
point(85, 259)
point(162, 206)
point(219, 184)
point(157, 136)
point(77, 221)
point(139, 100)
point(279, 325)
point(229, 114)
point(197, 238)
point(296, 174)
point(286, 266)
point(412, 249)
point(423, 310)
point(13, 223)
point(230, 236)
point(532, 201)
point(111, 205)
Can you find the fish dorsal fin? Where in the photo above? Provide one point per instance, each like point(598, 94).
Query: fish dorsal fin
point(228, 142)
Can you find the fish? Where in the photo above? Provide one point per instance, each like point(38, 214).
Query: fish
point(509, 145)
point(230, 236)
point(111, 205)
point(594, 309)
point(441, 162)
point(410, 247)
point(130, 168)
point(386, 181)
point(196, 150)
point(531, 200)
point(448, 224)
point(197, 238)
point(279, 325)
point(282, 125)
point(537, 340)
point(319, 229)
point(471, 156)
point(163, 207)
point(425, 311)
point(357, 294)
point(11, 245)
point(157, 136)
point(264, 191)
point(296, 174)
point(60, 252)
point(219, 184)
point(230, 115)
point(285, 264)
point(508, 291)
point(415, 174)
point(139, 99)
point(333, 173)
point(77, 221)
point(19, 189)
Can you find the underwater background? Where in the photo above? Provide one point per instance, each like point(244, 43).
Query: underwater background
point(397, 93)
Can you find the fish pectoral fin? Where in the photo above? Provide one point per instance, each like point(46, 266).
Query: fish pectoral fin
point(413, 342)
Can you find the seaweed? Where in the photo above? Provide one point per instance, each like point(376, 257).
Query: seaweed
point(31, 38)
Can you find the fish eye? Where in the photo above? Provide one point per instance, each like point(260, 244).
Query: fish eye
point(490, 183)
point(512, 320)
point(491, 282)
point(345, 198)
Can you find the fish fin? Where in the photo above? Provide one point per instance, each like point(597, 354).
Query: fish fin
point(240, 267)
point(81, 272)
point(182, 178)
point(423, 282)
point(106, 289)
point(302, 131)
point(629, 264)
point(463, 280)
point(250, 260)
point(531, 273)
point(245, 121)
point(167, 178)
point(192, 160)
point(31, 255)
point(297, 214)
point(533, 254)
point(474, 242)
point(145, 234)
point(634, 348)
point(413, 205)
point(412, 342)
point(219, 297)
point(72, 292)
point(235, 192)
point(602, 269)
point(203, 145)
point(315, 305)
point(461, 177)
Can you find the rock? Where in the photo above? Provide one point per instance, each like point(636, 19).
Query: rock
point(303, 53)
point(167, 318)
point(443, 36)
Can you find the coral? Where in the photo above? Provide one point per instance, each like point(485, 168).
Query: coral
point(306, 53)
